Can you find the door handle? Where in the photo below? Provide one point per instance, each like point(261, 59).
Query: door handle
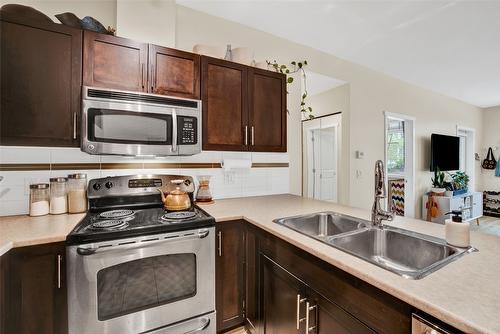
point(219, 239)
point(300, 300)
point(59, 260)
point(142, 75)
point(153, 79)
point(246, 135)
point(253, 137)
point(308, 309)
point(74, 125)
point(174, 130)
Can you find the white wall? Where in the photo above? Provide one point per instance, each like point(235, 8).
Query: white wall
point(491, 138)
point(371, 93)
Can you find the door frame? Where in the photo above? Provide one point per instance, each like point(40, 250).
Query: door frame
point(409, 159)
point(469, 160)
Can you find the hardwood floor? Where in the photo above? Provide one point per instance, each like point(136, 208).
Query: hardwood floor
point(488, 225)
point(240, 330)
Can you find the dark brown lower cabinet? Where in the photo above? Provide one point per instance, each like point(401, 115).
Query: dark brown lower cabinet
point(36, 288)
point(229, 275)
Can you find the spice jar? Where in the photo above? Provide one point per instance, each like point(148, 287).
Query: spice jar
point(77, 193)
point(58, 195)
point(39, 199)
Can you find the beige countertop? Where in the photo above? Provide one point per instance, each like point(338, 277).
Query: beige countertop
point(19, 231)
point(464, 293)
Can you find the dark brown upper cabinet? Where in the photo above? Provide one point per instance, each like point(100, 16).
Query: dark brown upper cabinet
point(244, 108)
point(174, 72)
point(41, 79)
point(225, 105)
point(114, 62)
point(267, 110)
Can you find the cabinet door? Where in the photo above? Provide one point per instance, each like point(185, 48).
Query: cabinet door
point(40, 84)
point(37, 290)
point(224, 95)
point(267, 113)
point(229, 275)
point(280, 294)
point(114, 62)
point(174, 72)
point(326, 317)
point(251, 280)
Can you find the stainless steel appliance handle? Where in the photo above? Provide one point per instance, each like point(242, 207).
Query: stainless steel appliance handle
point(138, 243)
point(253, 136)
point(174, 130)
point(74, 125)
point(300, 300)
point(308, 309)
point(59, 260)
point(219, 239)
point(201, 328)
point(246, 135)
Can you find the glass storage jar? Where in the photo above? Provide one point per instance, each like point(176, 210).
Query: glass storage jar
point(39, 199)
point(77, 193)
point(58, 195)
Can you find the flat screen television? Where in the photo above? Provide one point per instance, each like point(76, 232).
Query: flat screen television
point(445, 152)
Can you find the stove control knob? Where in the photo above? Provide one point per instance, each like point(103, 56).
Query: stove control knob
point(96, 186)
point(109, 184)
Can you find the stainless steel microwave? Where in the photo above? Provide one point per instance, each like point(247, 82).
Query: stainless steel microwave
point(139, 124)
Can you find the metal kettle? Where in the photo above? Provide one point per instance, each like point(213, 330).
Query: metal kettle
point(177, 199)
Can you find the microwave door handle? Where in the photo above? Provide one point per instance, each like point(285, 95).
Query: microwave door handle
point(174, 130)
point(143, 242)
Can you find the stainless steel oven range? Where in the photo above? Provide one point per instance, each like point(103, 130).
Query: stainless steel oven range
point(135, 268)
point(140, 124)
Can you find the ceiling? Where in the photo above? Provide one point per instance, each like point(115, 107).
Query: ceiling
point(450, 47)
point(319, 83)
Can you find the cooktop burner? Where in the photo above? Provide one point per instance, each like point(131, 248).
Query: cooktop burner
point(181, 215)
point(111, 224)
point(116, 214)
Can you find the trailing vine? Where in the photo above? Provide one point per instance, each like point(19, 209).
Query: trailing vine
point(295, 67)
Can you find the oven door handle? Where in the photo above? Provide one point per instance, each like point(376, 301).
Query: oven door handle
point(174, 130)
point(201, 328)
point(140, 242)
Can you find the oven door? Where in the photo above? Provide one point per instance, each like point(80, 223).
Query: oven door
point(128, 128)
point(140, 284)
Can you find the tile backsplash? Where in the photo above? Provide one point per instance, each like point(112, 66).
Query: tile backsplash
point(14, 189)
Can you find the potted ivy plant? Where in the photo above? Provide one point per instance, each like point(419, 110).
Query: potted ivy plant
point(438, 184)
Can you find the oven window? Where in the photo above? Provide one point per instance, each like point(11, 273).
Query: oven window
point(141, 284)
point(115, 126)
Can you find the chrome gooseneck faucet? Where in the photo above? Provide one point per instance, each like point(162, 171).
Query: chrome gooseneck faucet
point(378, 214)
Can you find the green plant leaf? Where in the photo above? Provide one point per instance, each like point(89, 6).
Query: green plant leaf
point(310, 109)
point(289, 80)
point(293, 63)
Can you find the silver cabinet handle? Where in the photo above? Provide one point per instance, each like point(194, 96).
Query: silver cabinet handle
point(300, 300)
point(59, 260)
point(174, 130)
point(246, 135)
point(253, 137)
point(74, 125)
point(219, 238)
point(153, 79)
point(142, 75)
point(308, 309)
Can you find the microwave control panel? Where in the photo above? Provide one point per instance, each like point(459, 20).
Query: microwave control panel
point(187, 130)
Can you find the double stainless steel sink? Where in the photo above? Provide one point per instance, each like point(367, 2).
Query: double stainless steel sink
point(406, 253)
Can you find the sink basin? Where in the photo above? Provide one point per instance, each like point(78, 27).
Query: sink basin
point(409, 254)
point(322, 224)
point(406, 253)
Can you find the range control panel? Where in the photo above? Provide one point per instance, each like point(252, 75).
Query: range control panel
point(187, 130)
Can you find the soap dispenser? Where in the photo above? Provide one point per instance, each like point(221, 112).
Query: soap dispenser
point(457, 232)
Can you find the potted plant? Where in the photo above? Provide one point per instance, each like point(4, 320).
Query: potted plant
point(438, 184)
point(460, 182)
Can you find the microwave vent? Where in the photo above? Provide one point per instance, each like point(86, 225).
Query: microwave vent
point(126, 96)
